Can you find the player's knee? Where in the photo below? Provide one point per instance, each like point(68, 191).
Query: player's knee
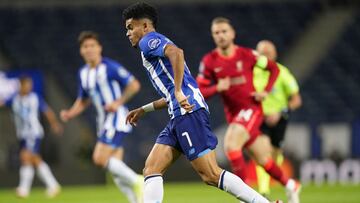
point(99, 160)
point(262, 160)
point(37, 160)
point(25, 157)
point(235, 138)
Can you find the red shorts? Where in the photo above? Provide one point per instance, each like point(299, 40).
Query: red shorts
point(251, 118)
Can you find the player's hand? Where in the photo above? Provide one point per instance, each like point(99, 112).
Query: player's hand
point(183, 101)
point(65, 115)
point(112, 107)
point(259, 96)
point(134, 115)
point(223, 84)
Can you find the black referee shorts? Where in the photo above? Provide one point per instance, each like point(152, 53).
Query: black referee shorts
point(277, 132)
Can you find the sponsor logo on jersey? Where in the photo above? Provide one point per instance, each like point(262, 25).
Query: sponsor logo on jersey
point(238, 80)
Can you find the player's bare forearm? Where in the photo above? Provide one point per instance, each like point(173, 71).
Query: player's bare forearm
point(54, 122)
point(78, 107)
point(160, 104)
point(50, 116)
point(130, 90)
point(176, 57)
point(134, 115)
point(295, 102)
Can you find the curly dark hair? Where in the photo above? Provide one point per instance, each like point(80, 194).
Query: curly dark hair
point(141, 10)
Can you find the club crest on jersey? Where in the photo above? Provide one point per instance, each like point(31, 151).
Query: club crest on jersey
point(154, 43)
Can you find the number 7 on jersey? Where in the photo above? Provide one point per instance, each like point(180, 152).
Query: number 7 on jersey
point(186, 134)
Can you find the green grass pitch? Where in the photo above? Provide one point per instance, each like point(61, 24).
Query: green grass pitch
point(182, 193)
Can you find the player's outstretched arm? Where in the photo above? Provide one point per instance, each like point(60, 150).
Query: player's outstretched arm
point(77, 108)
point(130, 90)
point(176, 57)
point(134, 115)
point(56, 127)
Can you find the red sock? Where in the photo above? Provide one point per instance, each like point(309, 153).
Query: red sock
point(275, 172)
point(237, 163)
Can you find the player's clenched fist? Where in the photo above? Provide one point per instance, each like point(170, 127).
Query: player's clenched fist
point(65, 115)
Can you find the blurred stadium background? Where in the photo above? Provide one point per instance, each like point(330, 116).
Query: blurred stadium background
point(318, 40)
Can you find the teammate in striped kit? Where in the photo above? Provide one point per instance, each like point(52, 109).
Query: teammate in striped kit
point(109, 86)
point(188, 131)
point(26, 106)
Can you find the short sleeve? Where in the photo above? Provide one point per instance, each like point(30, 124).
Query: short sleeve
point(290, 84)
point(262, 62)
point(251, 57)
point(205, 72)
point(82, 93)
point(42, 104)
point(153, 45)
point(120, 74)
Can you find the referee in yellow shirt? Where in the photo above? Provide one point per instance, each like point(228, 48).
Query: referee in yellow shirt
point(283, 99)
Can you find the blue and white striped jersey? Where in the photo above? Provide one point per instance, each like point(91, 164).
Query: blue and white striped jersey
point(26, 110)
point(161, 74)
point(103, 85)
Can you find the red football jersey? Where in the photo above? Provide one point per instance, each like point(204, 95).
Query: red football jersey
point(239, 67)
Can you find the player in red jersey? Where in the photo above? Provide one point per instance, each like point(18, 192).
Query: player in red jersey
point(228, 70)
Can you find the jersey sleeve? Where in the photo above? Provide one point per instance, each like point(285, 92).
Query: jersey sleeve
point(42, 104)
point(154, 45)
point(82, 93)
point(120, 74)
point(290, 84)
point(205, 79)
point(205, 72)
point(264, 63)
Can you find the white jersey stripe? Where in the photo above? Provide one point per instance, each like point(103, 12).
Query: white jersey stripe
point(83, 77)
point(117, 89)
point(197, 96)
point(104, 84)
point(91, 83)
point(159, 83)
